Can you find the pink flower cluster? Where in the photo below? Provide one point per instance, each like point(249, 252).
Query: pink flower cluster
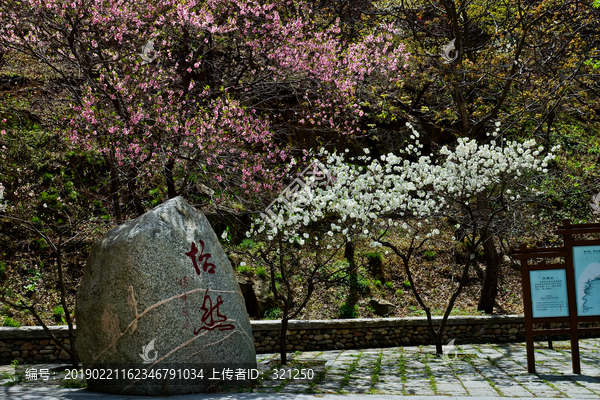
point(203, 99)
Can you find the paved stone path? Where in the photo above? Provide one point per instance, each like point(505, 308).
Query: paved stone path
point(472, 371)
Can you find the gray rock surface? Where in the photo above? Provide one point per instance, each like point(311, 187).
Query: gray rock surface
point(159, 292)
point(382, 307)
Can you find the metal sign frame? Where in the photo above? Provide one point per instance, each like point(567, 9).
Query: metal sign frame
point(573, 319)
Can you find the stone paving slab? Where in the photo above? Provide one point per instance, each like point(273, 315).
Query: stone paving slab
point(482, 371)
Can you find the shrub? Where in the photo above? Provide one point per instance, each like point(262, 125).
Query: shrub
point(10, 322)
point(389, 285)
point(261, 272)
point(273, 313)
point(377, 283)
point(247, 244)
point(346, 311)
point(359, 283)
point(374, 257)
point(59, 314)
point(406, 284)
point(244, 269)
point(375, 263)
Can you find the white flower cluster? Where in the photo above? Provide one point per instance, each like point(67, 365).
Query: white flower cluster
point(365, 191)
point(472, 168)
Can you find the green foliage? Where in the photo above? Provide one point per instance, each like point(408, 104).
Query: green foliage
point(41, 244)
point(10, 322)
point(32, 279)
point(359, 283)
point(389, 285)
point(247, 244)
point(273, 313)
point(244, 269)
point(47, 177)
point(374, 257)
point(406, 284)
point(429, 254)
point(399, 292)
point(156, 197)
point(3, 273)
point(261, 272)
point(377, 283)
point(347, 311)
point(59, 314)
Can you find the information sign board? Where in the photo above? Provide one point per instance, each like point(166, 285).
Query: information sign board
point(586, 262)
point(549, 296)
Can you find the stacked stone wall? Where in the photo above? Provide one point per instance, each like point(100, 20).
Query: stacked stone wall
point(389, 332)
point(31, 344)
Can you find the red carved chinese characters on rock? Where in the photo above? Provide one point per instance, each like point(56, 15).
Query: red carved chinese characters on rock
point(202, 258)
point(210, 321)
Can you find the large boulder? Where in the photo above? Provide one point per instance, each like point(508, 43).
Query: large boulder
point(159, 292)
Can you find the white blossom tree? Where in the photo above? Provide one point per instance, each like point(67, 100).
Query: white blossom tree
point(382, 200)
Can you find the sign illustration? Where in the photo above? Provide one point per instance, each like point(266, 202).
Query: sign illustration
point(586, 262)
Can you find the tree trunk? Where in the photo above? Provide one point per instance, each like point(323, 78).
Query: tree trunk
point(439, 348)
point(132, 187)
point(349, 256)
point(63, 301)
point(492, 271)
point(283, 340)
point(168, 172)
point(114, 188)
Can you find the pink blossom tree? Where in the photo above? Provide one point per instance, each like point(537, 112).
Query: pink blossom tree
point(202, 92)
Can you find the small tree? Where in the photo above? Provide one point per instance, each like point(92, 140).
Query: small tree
point(301, 250)
point(295, 275)
point(459, 182)
point(19, 302)
point(60, 238)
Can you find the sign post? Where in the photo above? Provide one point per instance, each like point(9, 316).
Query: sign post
point(561, 292)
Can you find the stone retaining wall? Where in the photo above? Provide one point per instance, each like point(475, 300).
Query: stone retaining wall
point(31, 344)
point(387, 332)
